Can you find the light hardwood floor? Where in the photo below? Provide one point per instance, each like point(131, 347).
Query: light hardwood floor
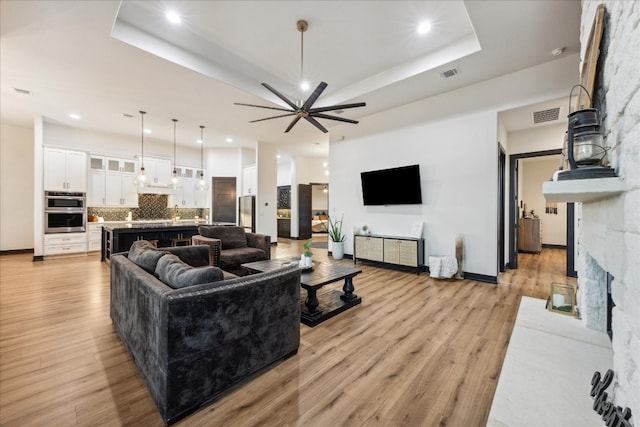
point(416, 352)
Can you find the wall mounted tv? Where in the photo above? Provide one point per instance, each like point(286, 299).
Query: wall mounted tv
point(396, 186)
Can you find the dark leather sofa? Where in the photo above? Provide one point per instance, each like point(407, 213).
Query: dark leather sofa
point(231, 246)
point(192, 342)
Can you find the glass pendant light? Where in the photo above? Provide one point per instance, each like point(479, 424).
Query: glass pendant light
point(176, 180)
point(201, 183)
point(141, 179)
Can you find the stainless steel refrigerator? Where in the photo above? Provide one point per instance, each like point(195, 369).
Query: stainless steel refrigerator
point(247, 213)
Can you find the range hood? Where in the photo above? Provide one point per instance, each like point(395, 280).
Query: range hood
point(156, 189)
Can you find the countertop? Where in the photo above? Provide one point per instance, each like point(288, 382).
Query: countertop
point(147, 224)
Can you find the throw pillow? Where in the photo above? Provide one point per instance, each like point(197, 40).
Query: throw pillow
point(145, 255)
point(231, 237)
point(175, 273)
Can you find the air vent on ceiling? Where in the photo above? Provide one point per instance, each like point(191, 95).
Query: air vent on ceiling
point(450, 73)
point(545, 115)
point(22, 91)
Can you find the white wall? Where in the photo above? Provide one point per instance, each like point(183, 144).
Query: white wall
point(454, 138)
point(16, 187)
point(535, 171)
point(457, 167)
point(266, 195)
point(541, 138)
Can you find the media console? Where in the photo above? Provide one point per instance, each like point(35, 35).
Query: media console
point(391, 250)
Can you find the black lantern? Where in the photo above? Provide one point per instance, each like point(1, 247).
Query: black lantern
point(584, 146)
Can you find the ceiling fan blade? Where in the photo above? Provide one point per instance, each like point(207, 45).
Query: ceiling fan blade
point(316, 123)
point(314, 96)
point(261, 106)
point(281, 96)
point(274, 117)
point(292, 124)
point(340, 119)
point(337, 107)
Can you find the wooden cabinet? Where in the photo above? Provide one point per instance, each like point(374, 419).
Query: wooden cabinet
point(120, 189)
point(94, 235)
point(402, 252)
point(529, 235)
point(65, 243)
point(65, 170)
point(368, 248)
point(392, 250)
point(284, 227)
point(186, 195)
point(111, 182)
point(158, 172)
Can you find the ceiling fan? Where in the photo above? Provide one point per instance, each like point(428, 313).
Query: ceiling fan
point(305, 110)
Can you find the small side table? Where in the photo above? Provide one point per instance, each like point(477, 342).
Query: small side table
point(181, 241)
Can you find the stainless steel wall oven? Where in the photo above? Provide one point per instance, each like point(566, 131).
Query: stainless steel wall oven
point(64, 212)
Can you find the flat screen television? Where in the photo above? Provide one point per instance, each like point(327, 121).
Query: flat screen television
point(396, 186)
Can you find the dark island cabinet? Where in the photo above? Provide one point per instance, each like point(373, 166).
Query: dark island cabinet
point(120, 239)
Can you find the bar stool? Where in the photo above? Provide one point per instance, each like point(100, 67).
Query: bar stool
point(181, 241)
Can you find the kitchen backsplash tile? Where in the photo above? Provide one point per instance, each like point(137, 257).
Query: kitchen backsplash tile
point(150, 206)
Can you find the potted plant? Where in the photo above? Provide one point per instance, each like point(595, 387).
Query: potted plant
point(364, 229)
point(337, 237)
point(307, 254)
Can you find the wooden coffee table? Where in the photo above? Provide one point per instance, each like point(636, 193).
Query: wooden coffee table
point(318, 307)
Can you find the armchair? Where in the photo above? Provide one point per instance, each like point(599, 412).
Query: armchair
point(231, 246)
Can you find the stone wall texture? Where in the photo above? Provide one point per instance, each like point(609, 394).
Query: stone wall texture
point(609, 230)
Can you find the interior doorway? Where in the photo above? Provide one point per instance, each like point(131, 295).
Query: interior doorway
point(515, 210)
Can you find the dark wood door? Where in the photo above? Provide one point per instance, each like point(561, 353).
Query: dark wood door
point(224, 199)
point(304, 211)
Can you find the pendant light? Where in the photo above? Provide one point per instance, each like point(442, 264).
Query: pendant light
point(176, 180)
point(141, 179)
point(201, 183)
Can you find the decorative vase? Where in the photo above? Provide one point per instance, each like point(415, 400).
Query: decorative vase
point(307, 261)
point(337, 250)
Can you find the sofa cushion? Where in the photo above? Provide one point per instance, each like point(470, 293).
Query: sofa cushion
point(230, 236)
point(175, 273)
point(232, 258)
point(145, 255)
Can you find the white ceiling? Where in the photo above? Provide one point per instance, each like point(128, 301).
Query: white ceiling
point(101, 59)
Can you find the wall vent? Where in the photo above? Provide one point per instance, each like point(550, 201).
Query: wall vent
point(22, 91)
point(543, 116)
point(450, 73)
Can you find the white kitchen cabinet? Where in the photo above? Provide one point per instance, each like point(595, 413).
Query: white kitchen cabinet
point(121, 165)
point(249, 180)
point(65, 170)
point(120, 189)
point(96, 190)
point(94, 236)
point(111, 182)
point(158, 171)
point(65, 243)
point(186, 195)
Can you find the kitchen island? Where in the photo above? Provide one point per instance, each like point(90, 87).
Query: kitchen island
point(119, 237)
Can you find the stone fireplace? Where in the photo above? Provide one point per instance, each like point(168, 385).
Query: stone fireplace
point(609, 229)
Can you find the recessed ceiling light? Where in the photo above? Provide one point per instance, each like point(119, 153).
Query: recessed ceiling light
point(127, 115)
point(199, 141)
point(277, 156)
point(557, 52)
point(147, 131)
point(424, 27)
point(74, 116)
point(304, 86)
point(173, 17)
point(229, 140)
